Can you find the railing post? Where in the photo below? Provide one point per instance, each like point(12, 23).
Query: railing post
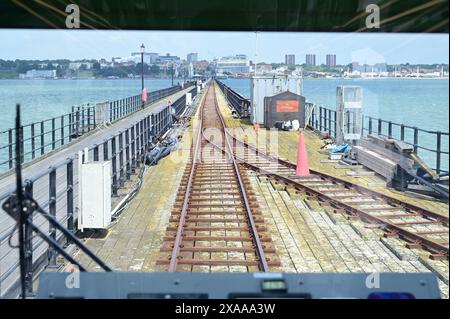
point(438, 151)
point(105, 150)
point(329, 122)
point(29, 244)
point(114, 166)
point(42, 138)
point(70, 126)
point(52, 212)
point(121, 166)
point(324, 120)
point(53, 134)
point(33, 142)
point(380, 123)
point(88, 118)
point(416, 140)
point(10, 148)
point(138, 150)
point(78, 122)
point(133, 150)
point(127, 154)
point(22, 146)
point(62, 130)
point(70, 202)
point(95, 153)
point(110, 111)
point(390, 129)
point(370, 125)
point(82, 121)
point(402, 132)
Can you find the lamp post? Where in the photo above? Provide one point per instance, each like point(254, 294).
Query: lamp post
point(142, 64)
point(142, 71)
point(171, 71)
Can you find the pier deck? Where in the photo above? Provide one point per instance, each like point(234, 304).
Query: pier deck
point(307, 236)
point(41, 167)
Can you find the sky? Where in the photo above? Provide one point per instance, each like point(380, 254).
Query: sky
point(267, 47)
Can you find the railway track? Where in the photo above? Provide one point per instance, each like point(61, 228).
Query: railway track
point(216, 224)
point(419, 227)
point(216, 221)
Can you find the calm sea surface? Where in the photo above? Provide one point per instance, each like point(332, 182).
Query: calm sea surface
point(415, 102)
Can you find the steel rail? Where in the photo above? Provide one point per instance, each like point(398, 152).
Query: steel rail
point(414, 238)
point(258, 246)
point(362, 189)
point(261, 260)
point(179, 235)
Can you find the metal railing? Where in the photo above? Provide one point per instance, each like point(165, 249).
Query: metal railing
point(433, 145)
point(126, 106)
point(239, 103)
point(413, 136)
point(50, 134)
point(55, 190)
point(47, 135)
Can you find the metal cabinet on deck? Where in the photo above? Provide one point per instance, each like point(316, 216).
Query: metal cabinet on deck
point(95, 193)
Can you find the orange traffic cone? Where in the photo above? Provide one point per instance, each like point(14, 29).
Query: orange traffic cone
point(302, 158)
point(256, 127)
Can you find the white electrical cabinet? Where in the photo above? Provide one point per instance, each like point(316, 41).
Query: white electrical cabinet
point(95, 195)
point(188, 99)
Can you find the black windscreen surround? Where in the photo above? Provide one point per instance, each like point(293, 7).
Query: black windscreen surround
point(231, 15)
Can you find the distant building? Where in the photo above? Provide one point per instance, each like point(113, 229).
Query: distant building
point(233, 64)
point(77, 65)
point(149, 57)
point(289, 59)
point(192, 57)
point(167, 58)
point(310, 60)
point(39, 74)
point(331, 59)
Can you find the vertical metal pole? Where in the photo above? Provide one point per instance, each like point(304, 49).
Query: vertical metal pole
point(121, 166)
point(70, 126)
point(416, 140)
point(133, 150)
point(52, 212)
point(78, 122)
point(438, 151)
point(10, 147)
point(22, 146)
point(105, 150)
point(53, 134)
point(62, 130)
point(88, 119)
point(390, 129)
point(33, 142)
point(380, 123)
point(70, 202)
point(96, 153)
point(82, 121)
point(42, 139)
point(28, 233)
point(114, 166)
point(127, 154)
point(402, 132)
point(138, 151)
